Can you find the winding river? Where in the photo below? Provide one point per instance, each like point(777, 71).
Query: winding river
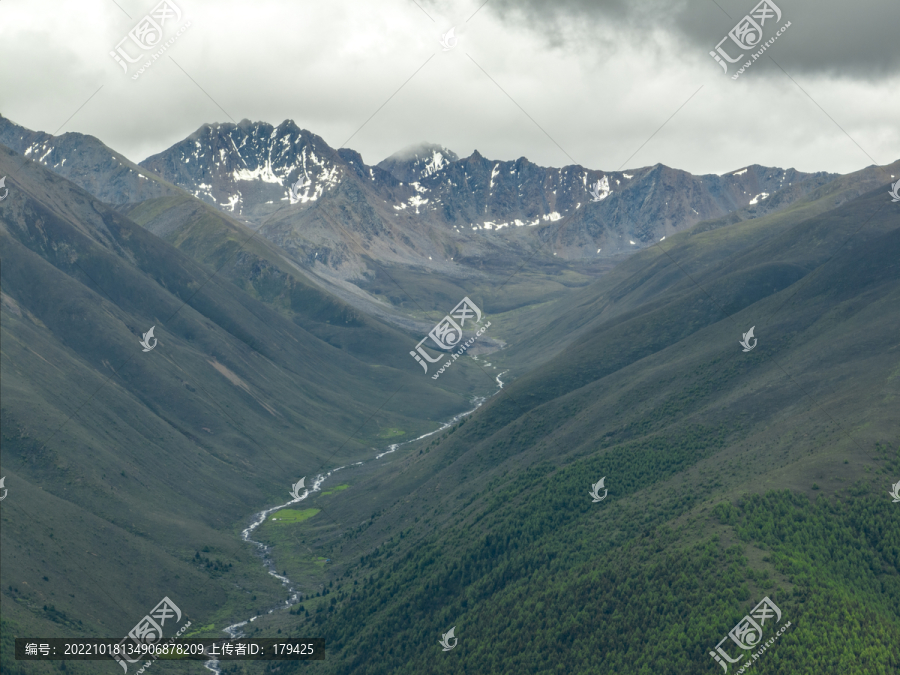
point(234, 630)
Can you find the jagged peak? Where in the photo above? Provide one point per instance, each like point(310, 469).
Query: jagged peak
point(290, 125)
point(257, 129)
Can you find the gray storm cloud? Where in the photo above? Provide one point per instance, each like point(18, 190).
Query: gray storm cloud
point(601, 84)
point(834, 37)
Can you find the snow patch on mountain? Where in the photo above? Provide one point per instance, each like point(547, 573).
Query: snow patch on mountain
point(600, 190)
point(436, 164)
point(263, 173)
point(494, 174)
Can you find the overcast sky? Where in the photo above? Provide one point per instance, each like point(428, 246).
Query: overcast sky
point(606, 84)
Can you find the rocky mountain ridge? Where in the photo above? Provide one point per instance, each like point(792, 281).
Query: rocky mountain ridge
point(424, 206)
point(86, 161)
point(252, 169)
point(427, 207)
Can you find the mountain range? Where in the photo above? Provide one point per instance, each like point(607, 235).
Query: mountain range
point(287, 283)
point(423, 206)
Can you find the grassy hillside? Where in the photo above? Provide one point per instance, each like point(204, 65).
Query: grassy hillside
point(732, 476)
point(264, 272)
point(777, 248)
point(122, 466)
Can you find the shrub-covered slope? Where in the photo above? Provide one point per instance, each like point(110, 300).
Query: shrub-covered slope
point(732, 476)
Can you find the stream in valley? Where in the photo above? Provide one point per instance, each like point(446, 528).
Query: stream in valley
point(234, 630)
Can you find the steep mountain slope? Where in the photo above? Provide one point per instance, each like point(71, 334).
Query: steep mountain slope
point(713, 459)
point(121, 464)
point(676, 263)
point(268, 274)
point(376, 241)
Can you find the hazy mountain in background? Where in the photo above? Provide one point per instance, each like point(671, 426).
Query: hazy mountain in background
point(211, 236)
point(428, 202)
point(417, 162)
point(368, 236)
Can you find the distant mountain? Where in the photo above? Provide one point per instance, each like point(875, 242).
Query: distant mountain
point(243, 168)
point(423, 208)
point(387, 229)
point(86, 161)
point(207, 234)
point(417, 162)
point(272, 176)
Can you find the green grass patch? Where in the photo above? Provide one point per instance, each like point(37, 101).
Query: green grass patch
point(336, 488)
point(290, 516)
point(391, 432)
point(200, 630)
